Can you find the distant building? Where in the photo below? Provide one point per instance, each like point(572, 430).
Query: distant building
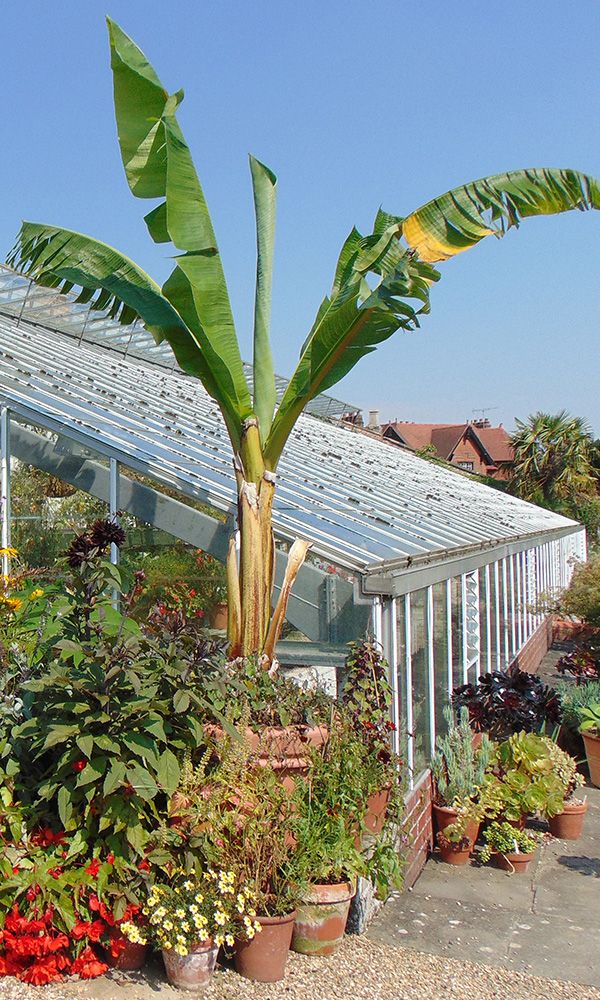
point(475, 446)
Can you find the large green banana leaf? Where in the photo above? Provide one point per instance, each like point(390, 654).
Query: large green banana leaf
point(354, 318)
point(263, 183)
point(63, 259)
point(462, 217)
point(158, 164)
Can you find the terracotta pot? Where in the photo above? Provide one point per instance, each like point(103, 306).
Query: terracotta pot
point(127, 956)
point(264, 958)
point(516, 864)
point(377, 804)
point(321, 919)
point(282, 749)
point(568, 825)
point(191, 971)
point(592, 752)
point(445, 816)
point(219, 616)
point(452, 854)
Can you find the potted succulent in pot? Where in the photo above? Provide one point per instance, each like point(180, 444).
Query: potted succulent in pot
point(512, 849)
point(455, 847)
point(589, 728)
point(189, 918)
point(568, 824)
point(458, 770)
point(527, 780)
point(330, 805)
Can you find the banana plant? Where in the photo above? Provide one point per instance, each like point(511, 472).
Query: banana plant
point(381, 284)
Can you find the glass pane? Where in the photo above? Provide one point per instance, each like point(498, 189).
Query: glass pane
point(420, 694)
point(484, 613)
point(53, 482)
point(440, 654)
point(456, 631)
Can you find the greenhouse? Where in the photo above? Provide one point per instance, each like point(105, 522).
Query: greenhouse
point(450, 575)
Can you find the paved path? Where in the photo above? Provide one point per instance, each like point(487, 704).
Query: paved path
point(545, 923)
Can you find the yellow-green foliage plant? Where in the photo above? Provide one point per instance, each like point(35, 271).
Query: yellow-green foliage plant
point(381, 284)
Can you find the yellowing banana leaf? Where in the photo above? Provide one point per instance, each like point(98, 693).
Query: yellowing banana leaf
point(465, 215)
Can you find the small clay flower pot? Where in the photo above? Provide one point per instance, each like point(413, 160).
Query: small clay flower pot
point(219, 616)
point(446, 816)
point(123, 954)
point(568, 825)
point(515, 864)
point(452, 854)
point(592, 752)
point(264, 957)
point(321, 919)
point(194, 970)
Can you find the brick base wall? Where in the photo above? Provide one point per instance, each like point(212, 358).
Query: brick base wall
point(535, 648)
point(419, 828)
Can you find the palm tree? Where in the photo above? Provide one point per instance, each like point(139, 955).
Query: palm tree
point(381, 284)
point(553, 459)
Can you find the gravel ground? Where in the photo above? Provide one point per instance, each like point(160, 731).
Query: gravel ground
point(361, 969)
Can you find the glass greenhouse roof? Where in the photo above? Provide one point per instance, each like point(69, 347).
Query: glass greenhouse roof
point(361, 501)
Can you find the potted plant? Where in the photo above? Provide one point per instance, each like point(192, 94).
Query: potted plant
point(190, 917)
point(280, 719)
point(568, 824)
point(527, 781)
point(241, 818)
point(366, 695)
point(329, 803)
point(508, 701)
point(458, 770)
point(455, 847)
point(512, 849)
point(589, 728)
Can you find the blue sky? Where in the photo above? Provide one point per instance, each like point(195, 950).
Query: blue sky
point(353, 105)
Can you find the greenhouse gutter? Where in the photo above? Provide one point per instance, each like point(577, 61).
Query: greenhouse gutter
point(396, 577)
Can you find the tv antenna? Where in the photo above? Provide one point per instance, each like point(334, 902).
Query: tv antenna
point(483, 410)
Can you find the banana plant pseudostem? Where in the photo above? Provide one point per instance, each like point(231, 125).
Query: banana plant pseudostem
point(381, 284)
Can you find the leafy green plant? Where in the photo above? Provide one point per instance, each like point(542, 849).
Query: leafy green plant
point(582, 596)
point(589, 719)
point(502, 838)
point(381, 285)
point(565, 767)
point(575, 697)
point(458, 768)
point(528, 781)
point(239, 816)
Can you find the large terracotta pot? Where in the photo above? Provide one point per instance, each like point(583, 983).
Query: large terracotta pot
point(446, 816)
point(123, 954)
point(321, 918)
point(283, 749)
point(194, 970)
point(219, 616)
point(568, 825)
point(516, 864)
point(264, 958)
point(592, 752)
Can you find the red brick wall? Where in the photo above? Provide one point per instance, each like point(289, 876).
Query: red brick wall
point(419, 828)
point(535, 648)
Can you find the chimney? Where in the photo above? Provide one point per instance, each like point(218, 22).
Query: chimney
point(373, 424)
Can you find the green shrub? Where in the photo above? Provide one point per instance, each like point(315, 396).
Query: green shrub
point(574, 698)
point(582, 597)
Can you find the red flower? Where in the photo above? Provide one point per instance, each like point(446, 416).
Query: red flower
point(44, 971)
point(85, 928)
point(88, 965)
point(110, 859)
point(93, 868)
point(46, 837)
point(55, 872)
point(78, 765)
point(144, 866)
point(32, 892)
